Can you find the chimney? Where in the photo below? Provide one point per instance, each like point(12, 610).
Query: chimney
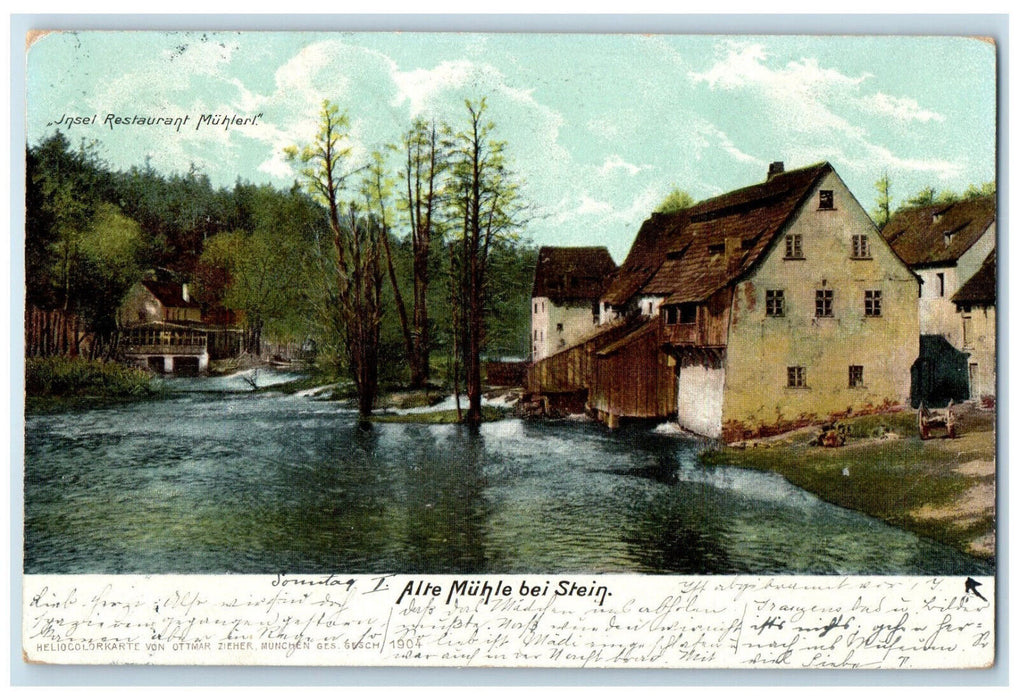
point(776, 168)
point(185, 292)
point(733, 253)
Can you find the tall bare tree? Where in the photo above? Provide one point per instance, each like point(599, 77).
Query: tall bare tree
point(484, 200)
point(357, 234)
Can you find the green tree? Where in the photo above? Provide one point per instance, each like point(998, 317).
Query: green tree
point(883, 211)
point(675, 201)
point(263, 272)
point(357, 246)
point(426, 162)
point(986, 189)
point(484, 201)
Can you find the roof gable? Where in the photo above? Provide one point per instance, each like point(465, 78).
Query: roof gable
point(981, 288)
point(939, 234)
point(726, 236)
point(169, 294)
point(646, 255)
point(580, 273)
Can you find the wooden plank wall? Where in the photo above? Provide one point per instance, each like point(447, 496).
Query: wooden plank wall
point(50, 333)
point(569, 370)
point(637, 380)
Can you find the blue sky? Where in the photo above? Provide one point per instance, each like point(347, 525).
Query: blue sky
point(599, 127)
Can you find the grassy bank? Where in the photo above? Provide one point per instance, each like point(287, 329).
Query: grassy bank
point(940, 488)
point(60, 381)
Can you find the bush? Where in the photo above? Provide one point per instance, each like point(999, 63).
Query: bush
point(64, 376)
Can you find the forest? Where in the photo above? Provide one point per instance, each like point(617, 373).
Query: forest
point(414, 260)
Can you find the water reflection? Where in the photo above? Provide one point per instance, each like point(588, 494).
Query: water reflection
point(258, 483)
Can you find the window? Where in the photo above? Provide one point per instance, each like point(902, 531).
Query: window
point(826, 200)
point(671, 315)
point(535, 307)
point(794, 246)
point(774, 302)
point(796, 376)
point(855, 375)
point(967, 328)
point(861, 247)
point(872, 302)
point(559, 327)
point(688, 313)
point(535, 335)
point(716, 248)
point(941, 284)
point(823, 303)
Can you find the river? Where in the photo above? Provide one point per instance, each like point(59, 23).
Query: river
point(218, 479)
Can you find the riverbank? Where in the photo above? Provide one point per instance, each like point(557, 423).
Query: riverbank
point(55, 383)
point(942, 489)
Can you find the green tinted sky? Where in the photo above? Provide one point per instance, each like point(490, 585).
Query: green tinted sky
point(600, 128)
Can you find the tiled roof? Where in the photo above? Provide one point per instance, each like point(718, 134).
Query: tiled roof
point(716, 241)
point(939, 234)
point(645, 256)
point(169, 294)
point(981, 287)
point(580, 273)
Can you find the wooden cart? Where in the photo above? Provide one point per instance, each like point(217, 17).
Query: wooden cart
point(931, 419)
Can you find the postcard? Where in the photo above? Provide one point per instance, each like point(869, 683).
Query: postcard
point(510, 350)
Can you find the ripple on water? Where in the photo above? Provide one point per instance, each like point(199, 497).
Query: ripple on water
point(248, 483)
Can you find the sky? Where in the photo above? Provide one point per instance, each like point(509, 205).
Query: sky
point(599, 128)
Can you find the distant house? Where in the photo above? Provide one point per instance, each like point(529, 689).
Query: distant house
point(945, 245)
point(568, 282)
point(975, 302)
point(161, 329)
point(153, 301)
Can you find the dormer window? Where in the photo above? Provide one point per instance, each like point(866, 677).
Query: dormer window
point(826, 199)
point(948, 238)
point(716, 249)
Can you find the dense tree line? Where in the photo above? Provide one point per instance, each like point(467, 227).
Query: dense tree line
point(272, 254)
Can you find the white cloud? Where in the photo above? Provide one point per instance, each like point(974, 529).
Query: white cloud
point(903, 109)
point(591, 206)
point(616, 162)
point(711, 136)
point(806, 105)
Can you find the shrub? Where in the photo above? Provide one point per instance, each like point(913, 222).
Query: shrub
point(65, 376)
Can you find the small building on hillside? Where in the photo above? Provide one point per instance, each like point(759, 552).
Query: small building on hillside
point(568, 283)
point(975, 302)
point(154, 301)
point(945, 245)
point(161, 329)
point(166, 348)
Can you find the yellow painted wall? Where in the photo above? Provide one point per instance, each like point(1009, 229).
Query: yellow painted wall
point(979, 343)
point(760, 348)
